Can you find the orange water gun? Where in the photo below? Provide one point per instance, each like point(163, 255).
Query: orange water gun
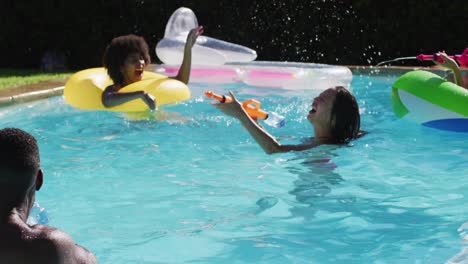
point(251, 106)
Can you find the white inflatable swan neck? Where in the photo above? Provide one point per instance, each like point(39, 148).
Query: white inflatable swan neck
point(180, 23)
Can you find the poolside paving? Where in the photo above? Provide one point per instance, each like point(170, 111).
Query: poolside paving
point(30, 92)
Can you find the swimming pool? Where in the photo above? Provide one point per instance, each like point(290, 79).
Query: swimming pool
point(197, 188)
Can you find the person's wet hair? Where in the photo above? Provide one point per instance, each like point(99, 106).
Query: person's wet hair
point(119, 49)
point(345, 118)
point(18, 150)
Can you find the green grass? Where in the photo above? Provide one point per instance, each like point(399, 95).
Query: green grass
point(15, 77)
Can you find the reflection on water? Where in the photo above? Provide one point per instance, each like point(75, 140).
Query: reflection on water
point(462, 256)
point(315, 174)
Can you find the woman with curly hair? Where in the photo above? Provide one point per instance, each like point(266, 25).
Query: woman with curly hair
point(126, 58)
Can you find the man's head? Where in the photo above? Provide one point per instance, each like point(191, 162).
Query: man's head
point(20, 172)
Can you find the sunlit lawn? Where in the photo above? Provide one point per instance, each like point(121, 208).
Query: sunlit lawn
point(16, 77)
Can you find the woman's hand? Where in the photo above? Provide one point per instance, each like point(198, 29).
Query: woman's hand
point(233, 108)
point(266, 141)
point(448, 62)
point(193, 35)
point(453, 66)
point(149, 100)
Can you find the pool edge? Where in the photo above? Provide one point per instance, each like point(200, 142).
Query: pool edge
point(54, 91)
point(30, 96)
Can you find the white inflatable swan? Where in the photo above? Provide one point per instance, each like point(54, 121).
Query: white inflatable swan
point(206, 51)
point(215, 61)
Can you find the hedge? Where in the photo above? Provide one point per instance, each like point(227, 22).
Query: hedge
point(335, 32)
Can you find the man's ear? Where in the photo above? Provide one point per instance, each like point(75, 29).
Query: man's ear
point(39, 180)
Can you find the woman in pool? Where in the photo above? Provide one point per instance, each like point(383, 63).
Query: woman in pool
point(126, 57)
point(334, 116)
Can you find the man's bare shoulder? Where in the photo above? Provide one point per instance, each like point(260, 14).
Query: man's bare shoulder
point(66, 249)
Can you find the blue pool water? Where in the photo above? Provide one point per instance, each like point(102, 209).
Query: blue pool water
point(197, 189)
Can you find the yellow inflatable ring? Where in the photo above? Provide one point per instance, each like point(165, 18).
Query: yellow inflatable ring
point(84, 90)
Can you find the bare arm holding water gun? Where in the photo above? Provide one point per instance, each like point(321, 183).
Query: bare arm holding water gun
point(267, 142)
point(252, 107)
point(450, 62)
point(334, 115)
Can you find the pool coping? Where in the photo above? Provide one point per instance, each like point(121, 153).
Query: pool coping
point(30, 96)
point(43, 91)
